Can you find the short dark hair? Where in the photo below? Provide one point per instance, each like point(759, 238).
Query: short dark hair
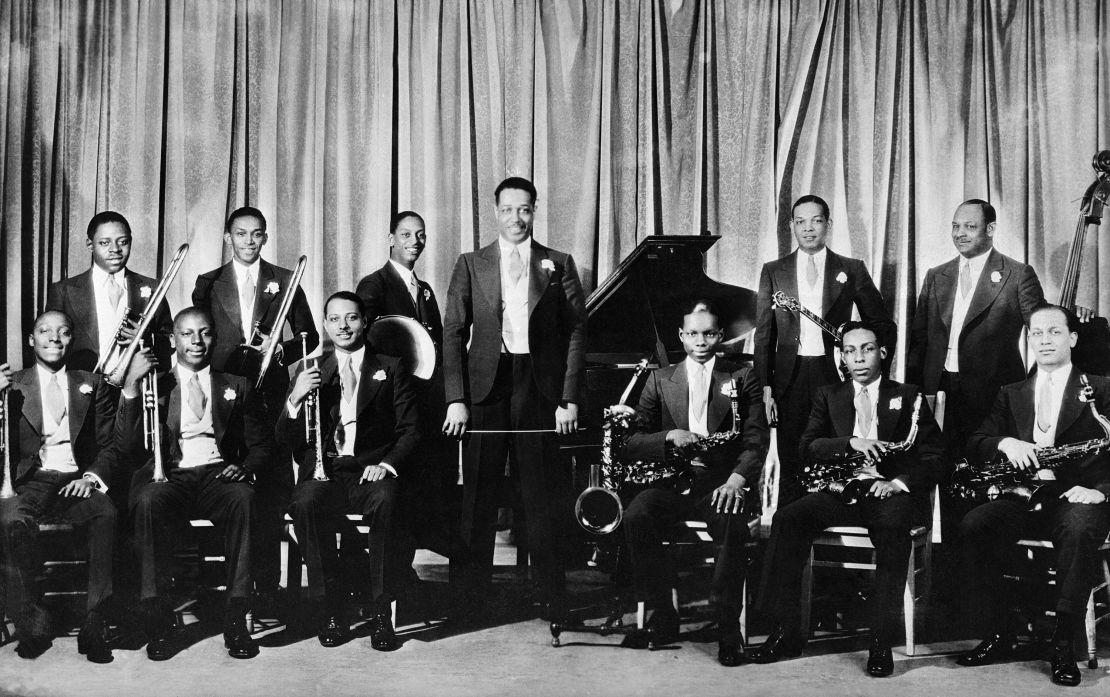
point(346, 295)
point(989, 214)
point(195, 311)
point(856, 325)
point(244, 212)
point(811, 198)
point(515, 183)
point(1069, 316)
point(401, 216)
point(105, 217)
point(44, 313)
point(700, 305)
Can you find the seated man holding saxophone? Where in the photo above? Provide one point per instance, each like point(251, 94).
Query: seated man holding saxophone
point(880, 451)
point(680, 406)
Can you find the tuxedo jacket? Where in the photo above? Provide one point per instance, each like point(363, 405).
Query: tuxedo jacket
point(778, 330)
point(243, 435)
point(91, 407)
point(218, 292)
point(386, 419)
point(1006, 294)
point(75, 297)
point(833, 419)
point(386, 293)
point(1012, 416)
point(556, 325)
point(665, 405)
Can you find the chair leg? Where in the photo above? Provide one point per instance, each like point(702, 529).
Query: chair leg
point(744, 608)
point(908, 606)
point(1091, 628)
point(393, 613)
point(640, 612)
point(807, 594)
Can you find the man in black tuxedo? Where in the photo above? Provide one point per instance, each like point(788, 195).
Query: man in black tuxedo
point(1047, 410)
point(520, 306)
point(244, 293)
point(865, 415)
point(60, 433)
point(966, 331)
point(215, 440)
point(369, 432)
point(679, 407)
point(99, 300)
point(793, 356)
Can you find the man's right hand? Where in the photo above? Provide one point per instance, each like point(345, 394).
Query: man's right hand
point(1021, 453)
point(455, 423)
point(307, 381)
point(126, 333)
point(682, 439)
point(143, 363)
point(5, 376)
point(872, 449)
point(770, 408)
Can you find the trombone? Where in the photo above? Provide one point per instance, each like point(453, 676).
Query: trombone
point(7, 491)
point(312, 419)
point(152, 424)
point(248, 359)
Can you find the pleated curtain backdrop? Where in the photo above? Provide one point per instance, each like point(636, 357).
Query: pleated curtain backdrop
point(632, 117)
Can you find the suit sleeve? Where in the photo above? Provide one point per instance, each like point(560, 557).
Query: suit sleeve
point(818, 441)
point(127, 432)
point(258, 435)
point(104, 410)
point(573, 319)
point(765, 334)
point(649, 441)
point(202, 292)
point(872, 308)
point(919, 334)
point(1030, 293)
point(289, 431)
point(300, 320)
point(982, 445)
point(756, 437)
point(406, 421)
point(54, 299)
point(372, 291)
point(457, 322)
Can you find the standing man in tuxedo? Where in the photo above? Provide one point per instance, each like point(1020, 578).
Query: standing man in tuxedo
point(966, 331)
point(368, 423)
point(1049, 409)
point(215, 441)
point(99, 300)
point(520, 307)
point(60, 432)
point(793, 356)
point(863, 415)
point(679, 407)
point(244, 293)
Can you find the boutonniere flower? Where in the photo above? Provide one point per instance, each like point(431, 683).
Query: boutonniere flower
point(144, 292)
point(85, 388)
point(547, 265)
point(895, 403)
point(726, 389)
point(230, 394)
point(380, 375)
point(996, 276)
point(842, 277)
point(272, 287)
point(427, 295)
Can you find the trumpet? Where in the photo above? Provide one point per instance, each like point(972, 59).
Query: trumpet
point(7, 491)
point(152, 424)
point(249, 360)
point(312, 418)
point(119, 356)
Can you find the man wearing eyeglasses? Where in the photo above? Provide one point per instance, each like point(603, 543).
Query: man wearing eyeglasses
point(679, 407)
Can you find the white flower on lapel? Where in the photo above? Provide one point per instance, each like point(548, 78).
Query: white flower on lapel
point(85, 388)
point(380, 375)
point(144, 292)
point(842, 277)
point(547, 265)
point(272, 287)
point(427, 295)
point(996, 276)
point(230, 394)
point(896, 403)
point(726, 389)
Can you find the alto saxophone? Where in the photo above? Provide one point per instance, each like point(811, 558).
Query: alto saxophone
point(7, 490)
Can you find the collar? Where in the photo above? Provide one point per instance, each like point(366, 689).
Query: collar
point(407, 275)
point(184, 374)
point(355, 357)
point(691, 364)
point(977, 262)
point(45, 374)
point(241, 269)
point(872, 390)
point(1057, 377)
point(818, 258)
point(100, 276)
point(525, 248)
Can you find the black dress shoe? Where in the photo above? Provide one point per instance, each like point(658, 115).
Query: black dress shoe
point(160, 646)
point(92, 641)
point(33, 646)
point(994, 648)
point(779, 644)
point(1064, 669)
point(382, 637)
point(730, 647)
point(880, 660)
point(661, 630)
point(237, 640)
point(333, 631)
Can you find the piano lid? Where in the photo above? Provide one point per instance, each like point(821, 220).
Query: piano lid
point(637, 311)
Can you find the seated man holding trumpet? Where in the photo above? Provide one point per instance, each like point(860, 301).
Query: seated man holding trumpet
point(58, 454)
point(679, 407)
point(351, 419)
point(204, 437)
point(880, 449)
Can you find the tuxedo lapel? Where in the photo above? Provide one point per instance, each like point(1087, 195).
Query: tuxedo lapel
point(225, 293)
point(788, 275)
point(676, 394)
point(84, 306)
point(830, 293)
point(946, 292)
point(368, 386)
point(987, 289)
point(263, 299)
point(398, 287)
point(78, 404)
point(487, 275)
point(538, 277)
point(1025, 410)
point(1070, 406)
point(885, 411)
point(169, 386)
point(221, 404)
point(720, 403)
point(136, 290)
point(32, 399)
point(842, 409)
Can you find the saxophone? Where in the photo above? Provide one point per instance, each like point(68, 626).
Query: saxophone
point(999, 478)
point(849, 477)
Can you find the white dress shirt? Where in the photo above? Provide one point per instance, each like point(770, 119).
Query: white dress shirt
point(514, 298)
point(699, 423)
point(959, 309)
point(198, 435)
point(408, 277)
point(348, 411)
point(246, 313)
point(811, 341)
point(1057, 380)
point(57, 450)
point(873, 395)
point(108, 318)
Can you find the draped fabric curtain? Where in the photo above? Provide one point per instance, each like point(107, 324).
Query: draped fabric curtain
point(633, 117)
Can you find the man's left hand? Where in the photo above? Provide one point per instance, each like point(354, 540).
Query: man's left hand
point(373, 473)
point(233, 473)
point(1081, 494)
point(729, 497)
point(1084, 314)
point(80, 488)
point(882, 489)
point(566, 419)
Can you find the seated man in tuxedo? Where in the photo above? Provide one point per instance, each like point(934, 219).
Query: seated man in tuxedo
point(60, 434)
point(679, 407)
point(368, 426)
point(865, 415)
point(1046, 410)
point(215, 439)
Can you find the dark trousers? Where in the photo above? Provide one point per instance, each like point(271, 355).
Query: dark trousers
point(797, 524)
point(988, 535)
point(37, 498)
point(517, 403)
point(159, 509)
point(794, 405)
point(964, 411)
point(647, 521)
point(273, 488)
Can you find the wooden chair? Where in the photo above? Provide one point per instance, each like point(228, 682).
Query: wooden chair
point(198, 552)
point(64, 573)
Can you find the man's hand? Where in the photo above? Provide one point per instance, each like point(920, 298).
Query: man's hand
point(143, 363)
point(307, 381)
point(5, 376)
point(233, 473)
point(126, 333)
point(80, 488)
point(770, 408)
point(682, 439)
point(1021, 453)
point(882, 489)
point(373, 473)
point(455, 423)
point(872, 449)
point(729, 497)
point(566, 419)
point(1084, 314)
point(1081, 494)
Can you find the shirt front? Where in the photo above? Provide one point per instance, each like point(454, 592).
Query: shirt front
point(108, 318)
point(514, 298)
point(198, 435)
point(1057, 380)
point(811, 342)
point(57, 449)
point(698, 422)
point(246, 310)
point(348, 410)
point(959, 308)
point(408, 277)
point(873, 396)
